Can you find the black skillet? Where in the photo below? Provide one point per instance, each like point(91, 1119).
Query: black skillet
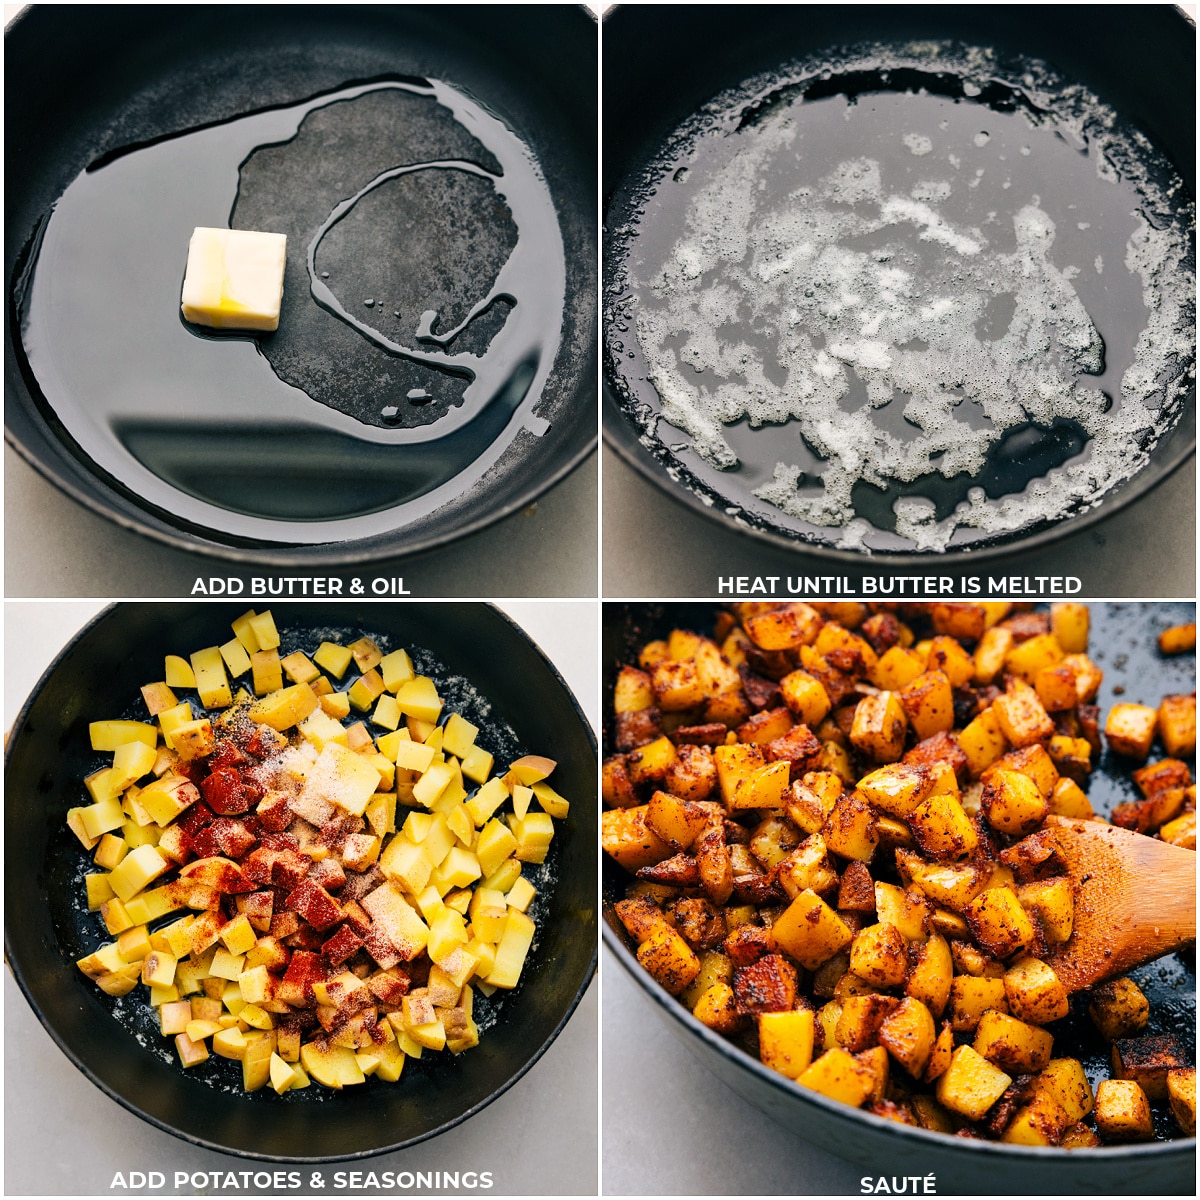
point(48, 926)
point(661, 67)
point(1123, 644)
point(85, 81)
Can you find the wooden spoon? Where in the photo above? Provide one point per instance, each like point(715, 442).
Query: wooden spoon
point(1135, 901)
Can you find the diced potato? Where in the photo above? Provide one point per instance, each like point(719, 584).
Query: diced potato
point(785, 1041)
point(999, 922)
point(1130, 729)
point(971, 1084)
point(1119, 1008)
point(1034, 992)
point(1041, 1122)
point(1122, 1111)
point(1012, 1044)
point(839, 1075)
point(1181, 1094)
point(669, 959)
point(810, 931)
point(1066, 1080)
point(1177, 725)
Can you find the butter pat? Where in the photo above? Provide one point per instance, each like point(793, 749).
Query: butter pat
point(234, 279)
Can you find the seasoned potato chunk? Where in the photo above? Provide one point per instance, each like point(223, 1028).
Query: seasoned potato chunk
point(1123, 1112)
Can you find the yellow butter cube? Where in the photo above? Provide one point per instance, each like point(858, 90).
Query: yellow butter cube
point(234, 279)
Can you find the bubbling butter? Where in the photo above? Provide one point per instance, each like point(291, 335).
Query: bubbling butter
point(901, 302)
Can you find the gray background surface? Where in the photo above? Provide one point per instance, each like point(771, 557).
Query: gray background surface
point(62, 1136)
point(55, 547)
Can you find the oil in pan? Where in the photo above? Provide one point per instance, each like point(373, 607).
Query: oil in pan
point(422, 309)
point(903, 299)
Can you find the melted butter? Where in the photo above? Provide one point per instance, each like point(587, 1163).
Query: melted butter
point(422, 307)
point(908, 301)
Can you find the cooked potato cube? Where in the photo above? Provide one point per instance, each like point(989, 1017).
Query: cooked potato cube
point(908, 1034)
point(1178, 639)
point(850, 830)
point(1119, 1008)
point(879, 954)
point(970, 997)
point(1130, 729)
point(666, 956)
point(1012, 1044)
point(971, 1084)
point(1147, 1061)
point(785, 1041)
point(1123, 1112)
point(942, 828)
point(898, 788)
point(1012, 802)
point(1041, 1122)
point(1066, 1080)
point(839, 1075)
point(810, 931)
point(999, 923)
point(1177, 725)
point(1181, 1093)
point(879, 726)
point(1034, 992)
point(1053, 900)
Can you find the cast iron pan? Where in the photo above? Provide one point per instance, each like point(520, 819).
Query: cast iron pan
point(660, 68)
point(1123, 644)
point(86, 82)
point(99, 674)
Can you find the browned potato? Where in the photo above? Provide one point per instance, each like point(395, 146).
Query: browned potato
point(845, 858)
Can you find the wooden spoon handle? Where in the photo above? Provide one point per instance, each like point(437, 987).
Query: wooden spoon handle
point(1135, 901)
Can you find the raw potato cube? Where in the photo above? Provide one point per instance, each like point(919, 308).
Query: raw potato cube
point(234, 279)
point(1123, 1112)
point(1130, 729)
point(970, 1084)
